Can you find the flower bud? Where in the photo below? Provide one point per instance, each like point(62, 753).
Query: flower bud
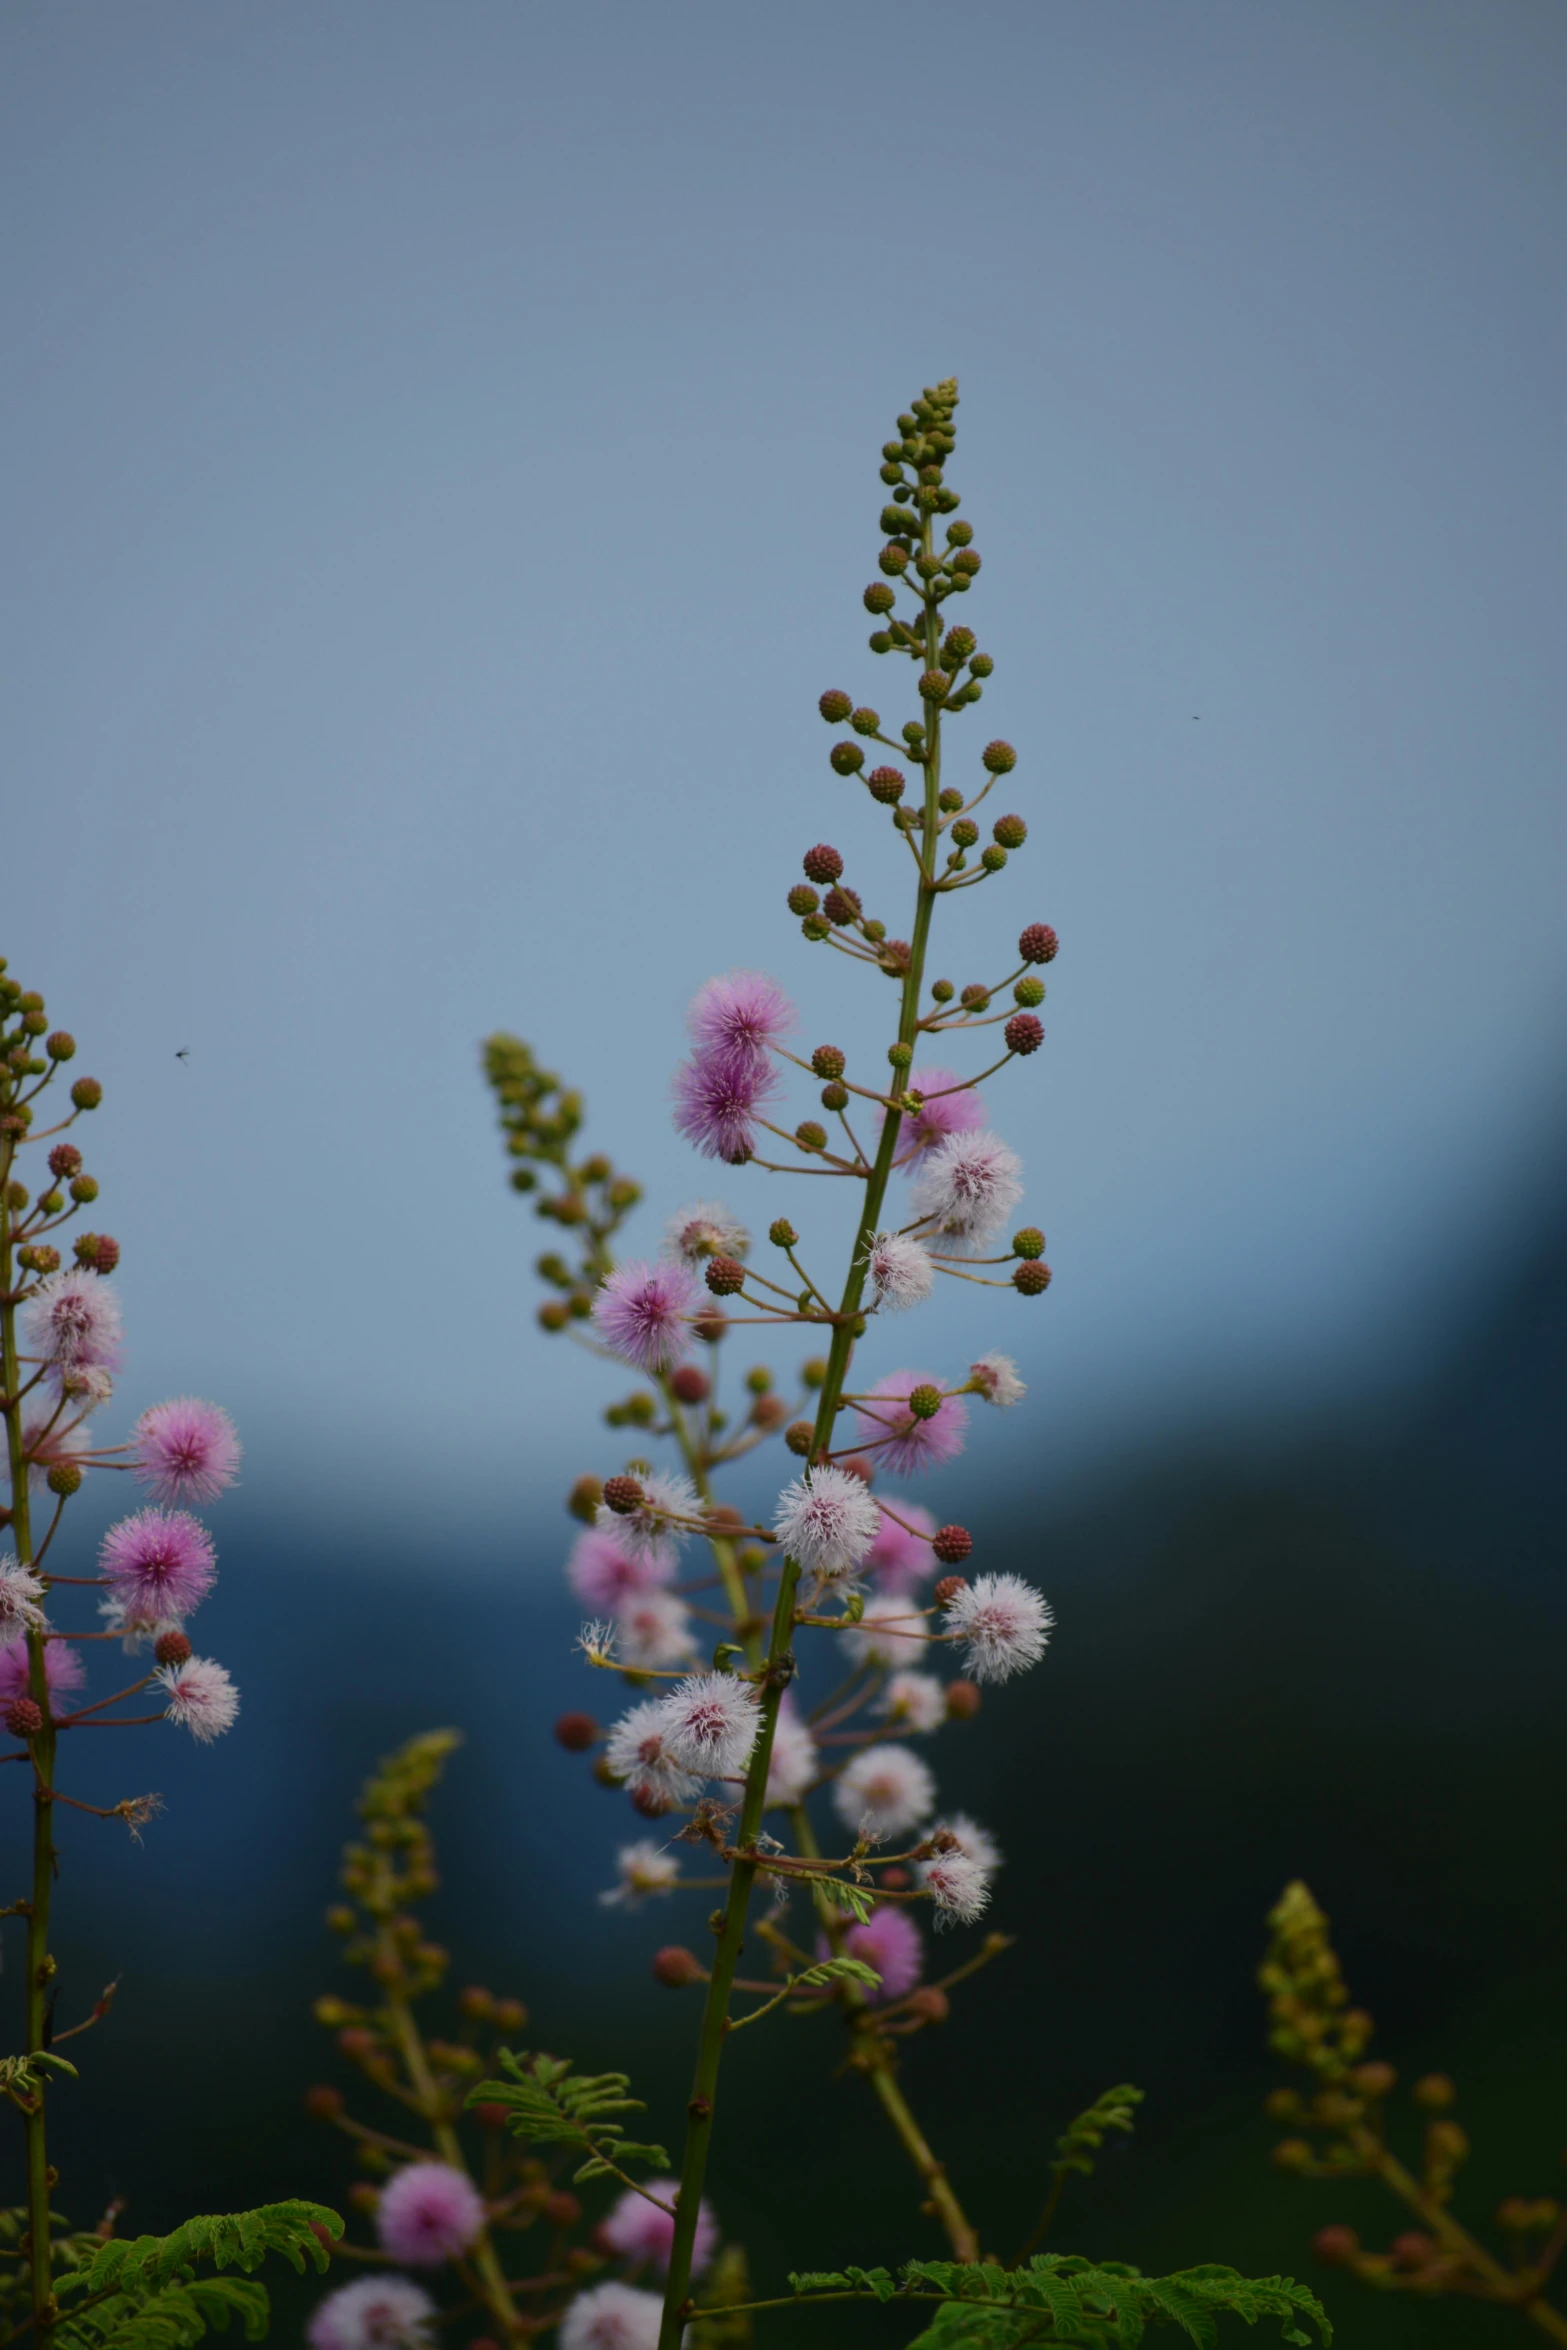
point(930, 2003)
point(1434, 2091)
point(924, 1402)
point(835, 1098)
point(86, 1093)
point(172, 1648)
point(1029, 993)
point(1031, 1280)
point(1028, 1241)
point(846, 758)
point(584, 1498)
point(799, 1436)
point(803, 899)
point(900, 1055)
point(323, 2104)
point(64, 1479)
point(964, 566)
point(810, 1136)
point(356, 2042)
point(1374, 2079)
point(690, 1384)
point(61, 1046)
point(957, 645)
point(553, 1315)
point(893, 559)
point(965, 833)
point(84, 1190)
point(886, 785)
point(829, 1060)
point(769, 1412)
point(1335, 2247)
point(934, 684)
point(993, 859)
point(1024, 1033)
point(64, 1160)
point(725, 1276)
point(959, 534)
point(822, 863)
point(24, 1717)
point(963, 1700)
point(813, 1373)
point(865, 720)
point(982, 666)
point(952, 1545)
point(758, 1379)
point(947, 1589)
point(1038, 943)
point(624, 1494)
point(835, 706)
point(1413, 2249)
point(676, 1967)
point(1010, 831)
point(97, 1252)
point(879, 597)
point(710, 1327)
point(894, 957)
point(37, 1257)
point(842, 906)
point(815, 928)
point(880, 640)
point(898, 522)
point(942, 990)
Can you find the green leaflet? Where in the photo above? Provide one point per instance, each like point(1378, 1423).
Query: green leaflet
point(837, 1970)
point(230, 2239)
point(1058, 2299)
point(175, 2317)
point(546, 2102)
point(1080, 2141)
point(856, 1899)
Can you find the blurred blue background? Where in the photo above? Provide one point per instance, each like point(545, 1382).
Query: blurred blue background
point(442, 475)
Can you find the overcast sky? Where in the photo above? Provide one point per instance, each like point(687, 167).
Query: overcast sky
point(441, 474)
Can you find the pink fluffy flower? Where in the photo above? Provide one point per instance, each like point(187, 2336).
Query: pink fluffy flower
point(373, 2313)
point(889, 1941)
point(63, 1670)
point(704, 1228)
point(51, 1441)
point(21, 1599)
point(605, 1572)
point(202, 1698)
point(637, 1752)
point(901, 1438)
point(884, 1789)
point(655, 1529)
point(158, 1564)
point(827, 1521)
point(1004, 1622)
point(996, 1380)
point(428, 2213)
point(709, 1723)
point(914, 1701)
point(946, 1111)
point(717, 1100)
point(967, 1187)
point(73, 1319)
point(898, 1558)
point(653, 1630)
point(891, 1632)
point(642, 1313)
point(739, 1016)
point(901, 1272)
point(185, 1450)
point(612, 2317)
point(958, 1885)
point(638, 2230)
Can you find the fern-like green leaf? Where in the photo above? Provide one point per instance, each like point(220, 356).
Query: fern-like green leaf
point(838, 1970)
point(1061, 2299)
point(546, 2103)
point(230, 2239)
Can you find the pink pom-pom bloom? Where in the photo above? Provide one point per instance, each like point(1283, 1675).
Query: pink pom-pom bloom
point(703, 1229)
point(655, 1529)
point(637, 1751)
point(739, 1016)
point(717, 1099)
point(950, 1107)
point(202, 1698)
point(995, 1379)
point(604, 1572)
point(892, 1434)
point(889, 1941)
point(185, 1450)
point(642, 1313)
point(967, 1187)
point(827, 1522)
point(884, 1789)
point(709, 1723)
point(638, 2230)
point(958, 1885)
point(653, 1632)
point(914, 1701)
point(899, 1557)
point(612, 2317)
point(63, 1670)
point(373, 2313)
point(158, 1564)
point(21, 1599)
point(429, 2213)
point(72, 1320)
point(901, 1272)
point(1004, 1622)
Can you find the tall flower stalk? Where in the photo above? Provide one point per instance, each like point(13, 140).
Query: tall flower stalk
point(724, 1747)
point(60, 1339)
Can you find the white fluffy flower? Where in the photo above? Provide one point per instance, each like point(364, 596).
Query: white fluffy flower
point(891, 1632)
point(654, 1629)
point(644, 1868)
point(709, 1723)
point(72, 1319)
point(914, 1701)
point(704, 1228)
point(136, 1631)
point(884, 1790)
point(652, 1530)
point(1004, 1622)
point(969, 1837)
point(612, 2317)
point(959, 1887)
point(828, 1522)
point(793, 1764)
point(967, 1187)
point(373, 2313)
point(637, 1752)
point(995, 1379)
point(21, 1596)
point(901, 1271)
point(202, 1698)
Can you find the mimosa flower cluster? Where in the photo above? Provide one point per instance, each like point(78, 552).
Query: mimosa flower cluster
point(786, 1674)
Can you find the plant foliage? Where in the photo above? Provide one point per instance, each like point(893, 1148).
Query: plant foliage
point(143, 2292)
point(546, 2103)
point(1058, 2299)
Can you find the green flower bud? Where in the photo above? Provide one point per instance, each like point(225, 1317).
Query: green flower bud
point(874, 931)
point(50, 1203)
point(892, 475)
point(975, 998)
point(835, 1098)
point(813, 1373)
point(957, 645)
point(835, 706)
point(1030, 993)
point(759, 1380)
point(947, 501)
point(553, 1315)
point(943, 990)
point(846, 758)
point(865, 721)
point(30, 1001)
point(34, 1023)
point(61, 1046)
point(810, 1136)
point(87, 1093)
point(898, 522)
point(886, 785)
point(879, 597)
point(893, 559)
point(815, 929)
point(782, 1233)
point(965, 833)
point(1029, 1242)
point(799, 1436)
point(993, 858)
point(965, 563)
point(1010, 831)
point(933, 685)
point(879, 641)
point(828, 1061)
point(925, 1402)
point(892, 451)
point(998, 758)
point(982, 665)
point(803, 899)
point(900, 1055)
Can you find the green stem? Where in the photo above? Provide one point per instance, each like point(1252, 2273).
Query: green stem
point(779, 1664)
point(40, 1966)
